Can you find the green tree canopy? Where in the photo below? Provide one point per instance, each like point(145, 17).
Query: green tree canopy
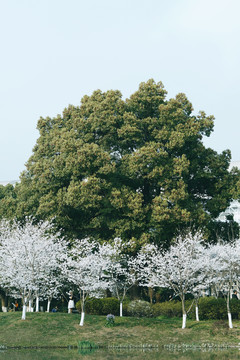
point(135, 168)
point(8, 201)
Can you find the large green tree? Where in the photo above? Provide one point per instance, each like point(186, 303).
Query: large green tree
point(135, 168)
point(8, 201)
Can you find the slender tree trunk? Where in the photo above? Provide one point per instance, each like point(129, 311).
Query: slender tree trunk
point(30, 305)
point(83, 311)
point(184, 320)
point(229, 312)
point(121, 312)
point(24, 302)
point(184, 314)
point(24, 309)
point(150, 294)
point(82, 318)
point(196, 308)
point(230, 320)
point(37, 304)
point(48, 304)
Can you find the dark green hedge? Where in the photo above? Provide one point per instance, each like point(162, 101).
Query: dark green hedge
point(172, 308)
point(209, 308)
point(212, 308)
point(102, 306)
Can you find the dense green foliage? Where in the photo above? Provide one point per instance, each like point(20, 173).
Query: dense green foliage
point(8, 201)
point(169, 309)
point(135, 169)
point(210, 308)
point(102, 306)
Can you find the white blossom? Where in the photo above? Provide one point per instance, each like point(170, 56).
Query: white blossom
point(85, 268)
point(119, 272)
point(176, 268)
point(30, 257)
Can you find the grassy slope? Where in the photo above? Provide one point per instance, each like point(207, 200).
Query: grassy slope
point(57, 329)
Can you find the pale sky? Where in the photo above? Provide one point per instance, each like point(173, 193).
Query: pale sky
point(55, 51)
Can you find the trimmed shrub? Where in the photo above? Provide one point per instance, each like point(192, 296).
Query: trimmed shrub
point(140, 308)
point(209, 308)
point(103, 306)
point(212, 308)
point(173, 309)
point(168, 308)
point(235, 308)
point(93, 306)
point(110, 305)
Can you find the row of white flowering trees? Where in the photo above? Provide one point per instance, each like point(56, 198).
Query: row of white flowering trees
point(35, 264)
point(30, 262)
point(190, 267)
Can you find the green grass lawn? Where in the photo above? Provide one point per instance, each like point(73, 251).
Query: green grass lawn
point(58, 329)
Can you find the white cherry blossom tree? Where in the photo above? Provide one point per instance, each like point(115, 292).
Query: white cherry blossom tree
point(30, 256)
point(85, 268)
point(176, 268)
point(221, 269)
point(120, 272)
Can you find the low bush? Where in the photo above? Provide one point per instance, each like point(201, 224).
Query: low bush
point(235, 308)
point(103, 306)
point(140, 308)
point(93, 306)
point(173, 309)
point(212, 308)
point(209, 308)
point(110, 305)
point(168, 308)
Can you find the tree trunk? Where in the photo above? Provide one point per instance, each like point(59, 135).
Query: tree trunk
point(83, 309)
point(82, 318)
point(150, 294)
point(37, 304)
point(121, 313)
point(184, 320)
point(230, 320)
point(229, 312)
point(196, 308)
point(184, 314)
point(48, 305)
point(24, 312)
point(30, 305)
